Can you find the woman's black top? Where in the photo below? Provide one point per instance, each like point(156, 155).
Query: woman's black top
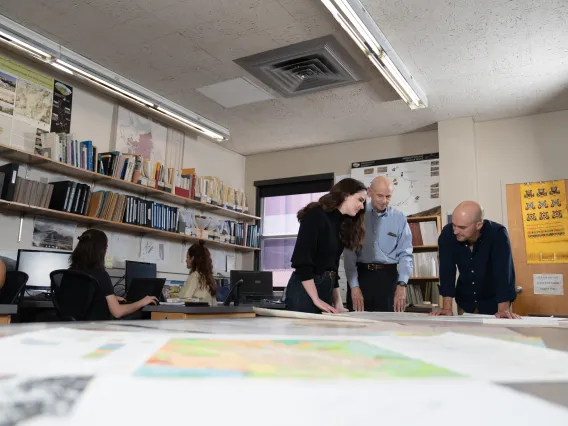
point(100, 310)
point(318, 247)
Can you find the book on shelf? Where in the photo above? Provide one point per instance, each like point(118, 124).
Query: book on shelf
point(10, 173)
point(425, 264)
point(63, 147)
point(32, 192)
point(424, 233)
point(132, 168)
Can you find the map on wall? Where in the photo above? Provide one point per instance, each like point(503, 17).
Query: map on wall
point(25, 104)
point(416, 180)
point(136, 134)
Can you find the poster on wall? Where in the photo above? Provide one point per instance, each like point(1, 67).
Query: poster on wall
point(545, 221)
point(416, 181)
point(26, 98)
point(62, 105)
point(139, 135)
point(56, 234)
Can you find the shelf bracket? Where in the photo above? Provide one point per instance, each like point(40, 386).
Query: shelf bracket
point(20, 228)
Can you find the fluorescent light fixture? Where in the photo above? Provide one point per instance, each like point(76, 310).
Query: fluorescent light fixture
point(20, 44)
point(61, 67)
point(357, 23)
point(191, 123)
point(103, 82)
point(80, 67)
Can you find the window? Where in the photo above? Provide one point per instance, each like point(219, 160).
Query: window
point(277, 203)
point(279, 229)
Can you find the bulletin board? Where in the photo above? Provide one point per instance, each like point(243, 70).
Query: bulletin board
point(528, 302)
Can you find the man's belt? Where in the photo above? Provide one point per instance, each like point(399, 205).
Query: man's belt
point(330, 274)
point(377, 266)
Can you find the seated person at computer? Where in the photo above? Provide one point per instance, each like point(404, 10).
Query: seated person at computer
point(200, 283)
point(6, 265)
point(89, 258)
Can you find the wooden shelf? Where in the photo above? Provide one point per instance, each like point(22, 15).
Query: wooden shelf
point(424, 279)
point(124, 227)
point(422, 218)
point(20, 156)
point(426, 247)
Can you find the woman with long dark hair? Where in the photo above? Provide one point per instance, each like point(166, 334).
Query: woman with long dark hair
point(89, 258)
point(200, 283)
point(327, 226)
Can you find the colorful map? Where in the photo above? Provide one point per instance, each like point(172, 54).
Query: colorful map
point(300, 359)
point(136, 134)
point(104, 350)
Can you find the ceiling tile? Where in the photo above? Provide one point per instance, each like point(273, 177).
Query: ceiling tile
point(300, 9)
point(482, 58)
point(119, 10)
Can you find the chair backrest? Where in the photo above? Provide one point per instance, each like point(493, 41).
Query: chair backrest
point(73, 294)
point(14, 288)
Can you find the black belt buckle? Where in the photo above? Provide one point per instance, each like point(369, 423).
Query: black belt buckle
point(330, 274)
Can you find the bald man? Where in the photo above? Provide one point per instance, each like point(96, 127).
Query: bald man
point(378, 273)
point(481, 251)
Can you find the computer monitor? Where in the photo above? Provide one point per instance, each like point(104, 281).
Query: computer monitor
point(38, 264)
point(138, 270)
point(255, 283)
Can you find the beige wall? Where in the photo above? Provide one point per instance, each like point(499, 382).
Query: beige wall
point(516, 150)
point(458, 160)
point(477, 163)
point(336, 158)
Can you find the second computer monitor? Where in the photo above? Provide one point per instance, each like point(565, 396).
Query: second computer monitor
point(38, 264)
point(138, 270)
point(255, 283)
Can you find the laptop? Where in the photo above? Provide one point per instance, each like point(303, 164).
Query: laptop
point(141, 287)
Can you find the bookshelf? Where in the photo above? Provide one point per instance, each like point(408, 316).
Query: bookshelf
point(20, 156)
point(424, 286)
point(124, 227)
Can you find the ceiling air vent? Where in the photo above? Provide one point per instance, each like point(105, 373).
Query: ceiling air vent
point(305, 67)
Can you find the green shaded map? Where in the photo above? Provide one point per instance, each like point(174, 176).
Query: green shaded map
point(290, 359)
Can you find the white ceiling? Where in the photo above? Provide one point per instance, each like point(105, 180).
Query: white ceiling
point(483, 58)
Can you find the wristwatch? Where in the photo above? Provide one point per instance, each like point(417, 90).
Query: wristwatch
point(402, 284)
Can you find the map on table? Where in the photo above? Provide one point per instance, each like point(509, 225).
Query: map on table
point(290, 359)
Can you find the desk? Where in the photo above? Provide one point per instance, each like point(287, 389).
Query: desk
point(554, 392)
point(177, 312)
point(6, 312)
point(36, 304)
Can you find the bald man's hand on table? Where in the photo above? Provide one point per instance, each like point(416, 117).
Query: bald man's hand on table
point(447, 312)
point(507, 315)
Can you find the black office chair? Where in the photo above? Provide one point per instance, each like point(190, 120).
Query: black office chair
point(14, 288)
point(73, 294)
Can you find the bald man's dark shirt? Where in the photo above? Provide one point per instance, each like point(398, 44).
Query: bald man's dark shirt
point(486, 273)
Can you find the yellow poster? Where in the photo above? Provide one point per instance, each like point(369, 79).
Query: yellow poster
point(545, 220)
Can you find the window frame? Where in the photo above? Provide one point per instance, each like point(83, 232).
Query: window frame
point(287, 186)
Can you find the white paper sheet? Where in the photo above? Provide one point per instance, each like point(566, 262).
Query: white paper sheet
point(550, 284)
point(484, 358)
point(302, 402)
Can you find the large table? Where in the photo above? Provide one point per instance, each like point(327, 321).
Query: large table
point(552, 337)
point(6, 312)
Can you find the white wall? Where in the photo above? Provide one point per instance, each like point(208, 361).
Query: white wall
point(500, 152)
point(522, 149)
point(91, 119)
point(458, 158)
point(335, 158)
